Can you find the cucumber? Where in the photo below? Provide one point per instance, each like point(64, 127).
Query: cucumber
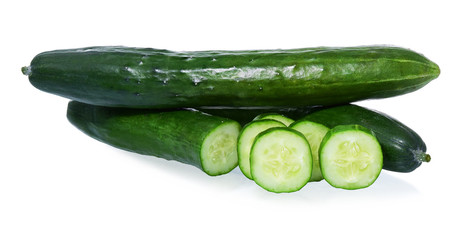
point(246, 140)
point(154, 78)
point(191, 137)
point(350, 157)
point(314, 133)
point(281, 160)
point(403, 149)
point(275, 116)
point(245, 115)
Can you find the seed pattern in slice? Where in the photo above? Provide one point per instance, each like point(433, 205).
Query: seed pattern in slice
point(350, 157)
point(246, 139)
point(219, 149)
point(281, 160)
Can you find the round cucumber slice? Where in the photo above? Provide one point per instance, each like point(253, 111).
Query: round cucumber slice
point(314, 133)
point(275, 116)
point(350, 157)
point(246, 139)
point(218, 151)
point(281, 160)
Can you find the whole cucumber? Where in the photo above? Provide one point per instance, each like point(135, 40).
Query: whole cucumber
point(154, 78)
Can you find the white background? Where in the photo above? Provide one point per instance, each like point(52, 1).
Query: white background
point(57, 183)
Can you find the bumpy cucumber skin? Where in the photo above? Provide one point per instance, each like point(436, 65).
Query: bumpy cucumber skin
point(173, 135)
point(342, 128)
point(154, 78)
point(403, 149)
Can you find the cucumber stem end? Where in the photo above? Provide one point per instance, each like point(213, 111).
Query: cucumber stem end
point(26, 70)
point(426, 158)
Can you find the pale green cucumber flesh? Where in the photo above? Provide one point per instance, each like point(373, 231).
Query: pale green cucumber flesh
point(275, 116)
point(314, 133)
point(281, 160)
point(246, 139)
point(218, 151)
point(350, 157)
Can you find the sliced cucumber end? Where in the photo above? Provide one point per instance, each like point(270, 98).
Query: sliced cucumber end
point(275, 116)
point(246, 140)
point(314, 133)
point(218, 151)
point(281, 160)
point(350, 157)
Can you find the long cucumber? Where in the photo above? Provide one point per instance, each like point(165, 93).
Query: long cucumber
point(155, 78)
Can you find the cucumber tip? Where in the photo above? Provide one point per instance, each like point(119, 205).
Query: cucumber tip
point(426, 158)
point(26, 70)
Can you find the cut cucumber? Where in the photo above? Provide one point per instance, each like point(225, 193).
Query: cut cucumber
point(275, 116)
point(350, 157)
point(314, 133)
point(281, 160)
point(188, 136)
point(246, 139)
point(218, 151)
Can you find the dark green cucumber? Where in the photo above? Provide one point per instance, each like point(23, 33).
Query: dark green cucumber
point(192, 137)
point(154, 78)
point(403, 149)
point(350, 157)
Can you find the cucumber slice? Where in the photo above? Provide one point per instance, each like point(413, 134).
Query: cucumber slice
point(314, 133)
point(275, 116)
point(246, 139)
point(350, 157)
point(281, 160)
point(218, 151)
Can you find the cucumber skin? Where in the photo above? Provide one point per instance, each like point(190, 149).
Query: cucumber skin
point(154, 78)
point(403, 149)
point(172, 135)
